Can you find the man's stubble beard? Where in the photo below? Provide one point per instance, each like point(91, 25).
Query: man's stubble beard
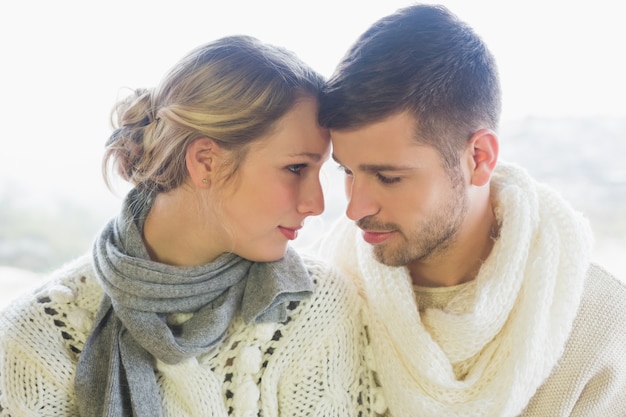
point(431, 237)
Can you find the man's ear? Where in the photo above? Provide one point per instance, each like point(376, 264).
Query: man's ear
point(201, 159)
point(483, 146)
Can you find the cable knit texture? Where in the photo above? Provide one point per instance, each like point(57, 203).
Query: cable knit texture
point(538, 332)
point(114, 375)
point(309, 365)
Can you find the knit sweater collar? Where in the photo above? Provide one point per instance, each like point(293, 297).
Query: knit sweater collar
point(437, 297)
point(495, 342)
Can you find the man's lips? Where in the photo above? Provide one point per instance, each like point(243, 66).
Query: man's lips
point(290, 232)
point(375, 238)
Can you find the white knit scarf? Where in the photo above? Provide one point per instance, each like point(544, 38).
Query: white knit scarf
point(506, 331)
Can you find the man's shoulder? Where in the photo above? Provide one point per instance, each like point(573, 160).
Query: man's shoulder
point(591, 375)
point(602, 311)
point(603, 288)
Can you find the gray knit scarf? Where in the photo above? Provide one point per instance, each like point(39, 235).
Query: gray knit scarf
point(115, 375)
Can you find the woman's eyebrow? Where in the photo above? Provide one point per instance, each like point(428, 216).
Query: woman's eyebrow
point(310, 155)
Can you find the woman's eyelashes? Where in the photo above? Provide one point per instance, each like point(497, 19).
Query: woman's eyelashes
point(296, 168)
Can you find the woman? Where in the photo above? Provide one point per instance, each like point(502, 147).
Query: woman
point(191, 302)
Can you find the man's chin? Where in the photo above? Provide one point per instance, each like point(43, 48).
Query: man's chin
point(383, 256)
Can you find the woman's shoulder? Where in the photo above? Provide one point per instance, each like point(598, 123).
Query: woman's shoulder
point(333, 291)
point(325, 274)
point(60, 309)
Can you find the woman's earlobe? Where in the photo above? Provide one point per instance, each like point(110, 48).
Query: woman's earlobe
point(200, 158)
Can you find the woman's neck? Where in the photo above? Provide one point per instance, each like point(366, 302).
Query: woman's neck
point(179, 232)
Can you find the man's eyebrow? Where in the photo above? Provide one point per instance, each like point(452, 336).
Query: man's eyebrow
point(377, 167)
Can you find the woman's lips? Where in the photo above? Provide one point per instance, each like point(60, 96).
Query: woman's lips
point(290, 233)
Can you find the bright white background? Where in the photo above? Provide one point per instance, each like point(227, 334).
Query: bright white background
point(64, 63)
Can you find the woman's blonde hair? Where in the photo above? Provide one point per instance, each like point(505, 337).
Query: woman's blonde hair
point(232, 90)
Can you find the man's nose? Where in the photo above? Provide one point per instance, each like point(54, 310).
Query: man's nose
point(361, 200)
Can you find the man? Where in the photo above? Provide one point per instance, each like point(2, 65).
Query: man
point(479, 292)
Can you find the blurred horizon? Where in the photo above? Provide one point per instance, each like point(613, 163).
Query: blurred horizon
point(41, 233)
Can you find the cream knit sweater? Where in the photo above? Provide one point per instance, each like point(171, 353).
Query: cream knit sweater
point(310, 365)
point(538, 333)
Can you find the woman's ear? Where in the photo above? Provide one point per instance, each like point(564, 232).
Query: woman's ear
point(483, 146)
point(201, 160)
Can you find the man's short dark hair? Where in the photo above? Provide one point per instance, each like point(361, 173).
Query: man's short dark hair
point(424, 60)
